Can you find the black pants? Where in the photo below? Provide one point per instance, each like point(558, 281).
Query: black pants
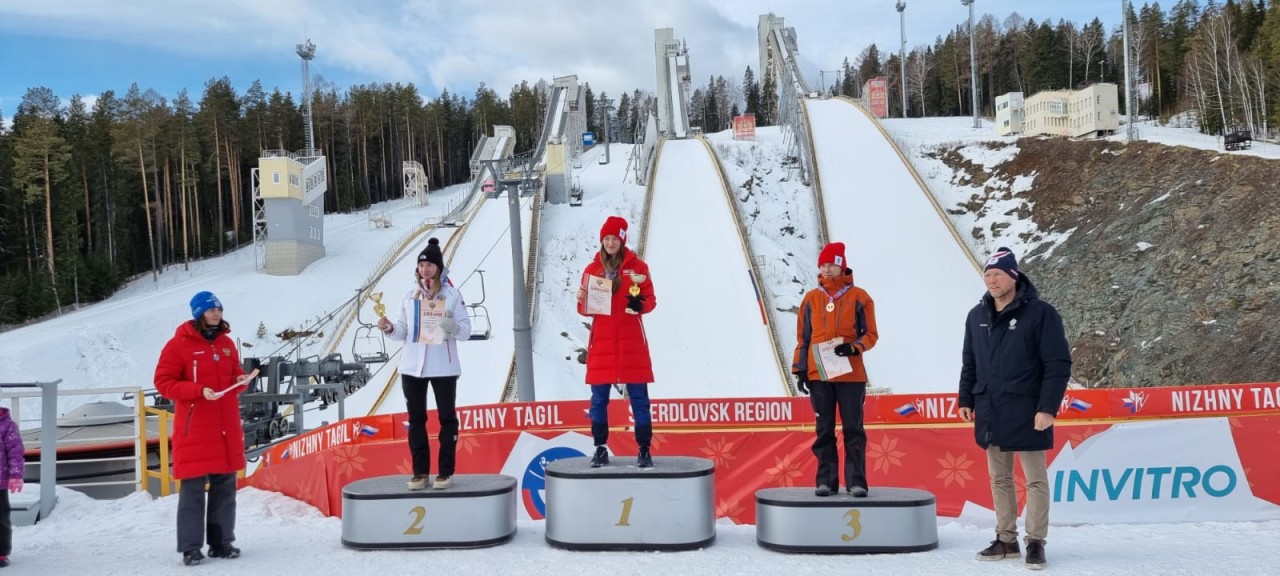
point(847, 398)
point(216, 527)
point(415, 397)
point(6, 526)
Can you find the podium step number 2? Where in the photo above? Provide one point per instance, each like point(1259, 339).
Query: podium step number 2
point(478, 510)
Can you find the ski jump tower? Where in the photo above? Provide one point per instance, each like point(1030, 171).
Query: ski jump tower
point(673, 83)
point(288, 196)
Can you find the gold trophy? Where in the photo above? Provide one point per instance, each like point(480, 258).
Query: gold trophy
point(378, 307)
point(634, 290)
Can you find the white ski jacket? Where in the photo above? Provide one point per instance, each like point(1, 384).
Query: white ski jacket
point(430, 360)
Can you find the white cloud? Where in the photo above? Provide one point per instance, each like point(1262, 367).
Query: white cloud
point(457, 44)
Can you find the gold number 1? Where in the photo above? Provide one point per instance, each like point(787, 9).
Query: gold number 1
point(855, 522)
point(416, 527)
point(626, 512)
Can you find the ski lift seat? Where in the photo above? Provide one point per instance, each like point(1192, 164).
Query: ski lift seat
point(367, 347)
point(480, 327)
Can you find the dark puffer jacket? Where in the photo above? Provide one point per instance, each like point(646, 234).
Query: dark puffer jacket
point(1016, 363)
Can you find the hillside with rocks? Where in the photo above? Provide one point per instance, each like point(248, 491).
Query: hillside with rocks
point(1167, 265)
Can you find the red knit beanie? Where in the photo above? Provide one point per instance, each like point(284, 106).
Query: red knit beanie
point(833, 253)
point(614, 226)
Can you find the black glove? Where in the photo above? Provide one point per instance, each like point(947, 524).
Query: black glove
point(846, 349)
point(636, 303)
point(802, 384)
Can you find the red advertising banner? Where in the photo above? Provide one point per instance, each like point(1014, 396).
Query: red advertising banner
point(1150, 471)
point(744, 127)
point(794, 412)
point(877, 94)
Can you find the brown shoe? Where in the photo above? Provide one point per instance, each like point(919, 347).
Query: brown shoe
point(418, 482)
point(1035, 554)
point(442, 482)
point(999, 551)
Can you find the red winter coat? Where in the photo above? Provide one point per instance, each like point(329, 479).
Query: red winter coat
point(618, 352)
point(207, 435)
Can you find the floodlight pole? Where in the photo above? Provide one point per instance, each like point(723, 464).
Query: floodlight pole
point(1132, 130)
point(973, 66)
point(902, 52)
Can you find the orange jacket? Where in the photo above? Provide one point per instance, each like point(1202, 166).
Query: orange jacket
point(852, 318)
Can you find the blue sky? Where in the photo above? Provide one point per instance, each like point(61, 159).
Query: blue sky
point(88, 46)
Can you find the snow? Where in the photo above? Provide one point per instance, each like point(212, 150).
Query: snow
point(279, 535)
point(898, 247)
point(704, 339)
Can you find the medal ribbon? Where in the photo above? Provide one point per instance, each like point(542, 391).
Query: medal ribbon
point(831, 300)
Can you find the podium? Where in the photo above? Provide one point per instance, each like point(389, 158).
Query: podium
point(381, 513)
point(670, 506)
point(887, 520)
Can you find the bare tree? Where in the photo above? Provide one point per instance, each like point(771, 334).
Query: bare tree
point(1089, 43)
point(918, 67)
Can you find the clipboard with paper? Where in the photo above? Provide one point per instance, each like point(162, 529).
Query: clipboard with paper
point(241, 382)
point(830, 365)
point(599, 295)
point(430, 313)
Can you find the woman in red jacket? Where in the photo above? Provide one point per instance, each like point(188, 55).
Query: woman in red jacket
point(199, 370)
point(618, 352)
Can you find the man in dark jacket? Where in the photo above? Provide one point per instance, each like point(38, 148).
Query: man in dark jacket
point(1016, 367)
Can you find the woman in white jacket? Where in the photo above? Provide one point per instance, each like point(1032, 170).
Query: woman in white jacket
point(437, 365)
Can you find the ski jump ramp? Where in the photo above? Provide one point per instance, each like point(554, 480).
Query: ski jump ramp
point(902, 249)
point(704, 288)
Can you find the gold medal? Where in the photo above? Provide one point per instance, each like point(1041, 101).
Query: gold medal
point(831, 306)
point(634, 290)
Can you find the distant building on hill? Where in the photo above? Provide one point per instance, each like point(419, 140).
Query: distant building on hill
point(1092, 111)
point(1009, 118)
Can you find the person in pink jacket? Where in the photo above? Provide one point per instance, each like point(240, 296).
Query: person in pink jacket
point(618, 352)
point(199, 370)
point(10, 477)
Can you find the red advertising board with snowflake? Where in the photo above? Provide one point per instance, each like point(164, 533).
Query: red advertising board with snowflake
point(1120, 455)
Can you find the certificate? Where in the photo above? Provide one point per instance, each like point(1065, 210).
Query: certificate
point(430, 313)
point(599, 295)
point(829, 364)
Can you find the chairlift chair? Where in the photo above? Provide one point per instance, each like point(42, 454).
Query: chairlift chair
point(366, 346)
point(481, 329)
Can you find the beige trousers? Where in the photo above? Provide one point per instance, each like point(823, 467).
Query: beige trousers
point(1000, 465)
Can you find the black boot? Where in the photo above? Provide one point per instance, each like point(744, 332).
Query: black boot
point(601, 458)
point(192, 557)
point(643, 459)
point(224, 551)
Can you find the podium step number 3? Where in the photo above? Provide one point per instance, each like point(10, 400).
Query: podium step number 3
point(888, 520)
point(478, 510)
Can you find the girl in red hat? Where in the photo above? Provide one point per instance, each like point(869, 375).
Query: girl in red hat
point(839, 318)
point(617, 352)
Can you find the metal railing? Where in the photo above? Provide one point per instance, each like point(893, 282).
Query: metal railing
point(163, 476)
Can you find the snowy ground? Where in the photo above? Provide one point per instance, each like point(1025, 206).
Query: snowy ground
point(282, 536)
point(918, 137)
